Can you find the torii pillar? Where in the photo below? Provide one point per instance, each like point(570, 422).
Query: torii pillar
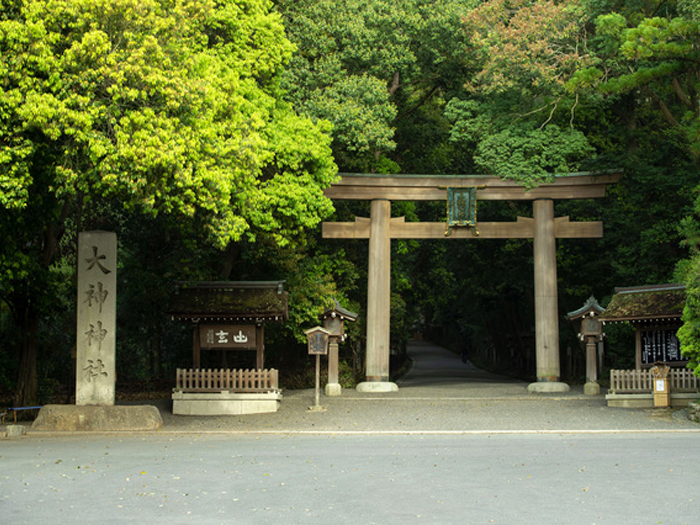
point(378, 300)
point(546, 304)
point(543, 228)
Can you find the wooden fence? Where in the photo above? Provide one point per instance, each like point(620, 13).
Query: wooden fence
point(231, 380)
point(642, 381)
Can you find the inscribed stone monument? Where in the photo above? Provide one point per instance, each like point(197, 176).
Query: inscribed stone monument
point(96, 318)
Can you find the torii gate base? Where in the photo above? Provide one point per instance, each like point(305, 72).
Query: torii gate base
point(543, 228)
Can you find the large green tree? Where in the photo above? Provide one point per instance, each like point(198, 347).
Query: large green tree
point(597, 84)
point(170, 107)
point(370, 67)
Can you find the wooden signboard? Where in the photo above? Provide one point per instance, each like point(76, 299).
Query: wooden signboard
point(227, 336)
point(660, 346)
point(318, 342)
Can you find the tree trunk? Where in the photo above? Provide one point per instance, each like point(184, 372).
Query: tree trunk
point(27, 316)
point(27, 325)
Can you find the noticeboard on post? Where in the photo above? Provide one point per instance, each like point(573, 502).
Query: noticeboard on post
point(318, 342)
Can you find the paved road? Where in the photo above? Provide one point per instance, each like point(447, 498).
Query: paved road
point(355, 479)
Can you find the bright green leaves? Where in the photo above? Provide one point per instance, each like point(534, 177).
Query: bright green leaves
point(290, 196)
point(660, 38)
point(170, 107)
point(689, 333)
point(15, 178)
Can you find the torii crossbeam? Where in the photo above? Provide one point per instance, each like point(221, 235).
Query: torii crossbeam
point(543, 227)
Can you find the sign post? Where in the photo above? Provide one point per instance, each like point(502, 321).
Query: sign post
point(318, 346)
point(334, 321)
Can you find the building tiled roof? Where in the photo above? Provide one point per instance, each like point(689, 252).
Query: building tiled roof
point(245, 301)
point(646, 303)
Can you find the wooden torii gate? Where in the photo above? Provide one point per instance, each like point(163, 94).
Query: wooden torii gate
point(543, 227)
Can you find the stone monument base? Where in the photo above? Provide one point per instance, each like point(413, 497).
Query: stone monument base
point(97, 418)
point(224, 403)
point(377, 387)
point(547, 387)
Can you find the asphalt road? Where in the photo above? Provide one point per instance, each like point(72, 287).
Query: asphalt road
point(242, 478)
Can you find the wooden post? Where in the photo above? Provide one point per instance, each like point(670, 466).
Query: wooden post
point(196, 347)
point(546, 309)
point(379, 292)
point(260, 346)
point(378, 299)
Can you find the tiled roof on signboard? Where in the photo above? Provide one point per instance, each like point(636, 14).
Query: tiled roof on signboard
point(253, 301)
point(646, 303)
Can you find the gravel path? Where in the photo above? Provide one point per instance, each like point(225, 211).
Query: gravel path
point(440, 394)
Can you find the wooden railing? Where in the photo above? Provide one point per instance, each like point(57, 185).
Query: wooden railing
point(641, 381)
point(231, 380)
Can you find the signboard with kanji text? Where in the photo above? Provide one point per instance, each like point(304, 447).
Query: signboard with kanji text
point(227, 336)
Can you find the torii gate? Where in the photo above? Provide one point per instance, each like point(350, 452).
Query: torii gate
point(543, 227)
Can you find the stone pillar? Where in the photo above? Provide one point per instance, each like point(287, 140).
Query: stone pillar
point(378, 300)
point(591, 388)
point(333, 387)
point(546, 309)
point(96, 318)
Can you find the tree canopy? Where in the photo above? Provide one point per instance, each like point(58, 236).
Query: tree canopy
point(170, 108)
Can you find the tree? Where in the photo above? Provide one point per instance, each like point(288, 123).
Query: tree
point(169, 107)
point(656, 58)
point(519, 117)
point(367, 66)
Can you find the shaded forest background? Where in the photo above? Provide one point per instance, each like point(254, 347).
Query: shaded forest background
point(514, 88)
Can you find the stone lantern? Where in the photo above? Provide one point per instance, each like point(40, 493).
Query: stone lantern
point(591, 332)
point(334, 322)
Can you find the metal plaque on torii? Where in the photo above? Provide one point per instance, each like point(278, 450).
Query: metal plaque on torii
point(461, 208)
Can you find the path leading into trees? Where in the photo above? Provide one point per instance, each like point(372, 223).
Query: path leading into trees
point(437, 369)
